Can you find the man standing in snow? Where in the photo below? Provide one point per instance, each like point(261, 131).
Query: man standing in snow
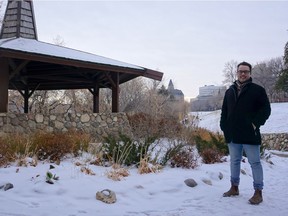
point(245, 108)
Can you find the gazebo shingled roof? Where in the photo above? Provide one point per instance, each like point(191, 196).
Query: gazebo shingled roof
point(27, 64)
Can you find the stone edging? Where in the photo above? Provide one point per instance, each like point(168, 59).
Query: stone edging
point(275, 141)
point(96, 124)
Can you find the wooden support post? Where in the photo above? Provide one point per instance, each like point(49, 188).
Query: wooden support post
point(4, 85)
point(96, 98)
point(115, 93)
point(26, 100)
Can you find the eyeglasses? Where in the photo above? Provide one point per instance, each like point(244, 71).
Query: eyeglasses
point(243, 71)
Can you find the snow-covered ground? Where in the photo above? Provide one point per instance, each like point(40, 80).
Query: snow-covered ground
point(277, 122)
point(155, 194)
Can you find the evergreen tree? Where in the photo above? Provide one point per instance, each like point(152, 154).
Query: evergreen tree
point(163, 91)
point(282, 82)
point(286, 55)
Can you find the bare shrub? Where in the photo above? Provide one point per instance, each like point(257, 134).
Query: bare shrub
point(210, 156)
point(145, 125)
point(186, 135)
point(185, 159)
point(169, 127)
point(142, 125)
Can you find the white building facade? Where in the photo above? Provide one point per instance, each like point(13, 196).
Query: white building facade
point(210, 98)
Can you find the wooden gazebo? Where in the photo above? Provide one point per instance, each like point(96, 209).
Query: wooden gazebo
point(27, 64)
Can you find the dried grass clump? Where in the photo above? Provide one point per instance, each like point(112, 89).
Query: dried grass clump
point(53, 146)
point(81, 142)
point(145, 167)
point(6, 154)
point(41, 146)
point(117, 173)
point(84, 169)
point(16, 147)
point(25, 161)
point(87, 171)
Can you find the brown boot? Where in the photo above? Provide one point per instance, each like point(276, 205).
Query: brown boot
point(233, 191)
point(256, 198)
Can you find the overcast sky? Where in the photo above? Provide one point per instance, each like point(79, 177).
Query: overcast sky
point(189, 41)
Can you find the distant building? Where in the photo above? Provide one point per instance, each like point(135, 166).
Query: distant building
point(210, 98)
point(211, 91)
point(175, 94)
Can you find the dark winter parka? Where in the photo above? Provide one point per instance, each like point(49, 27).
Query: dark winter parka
point(240, 112)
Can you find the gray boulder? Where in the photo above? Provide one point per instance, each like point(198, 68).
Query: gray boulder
point(190, 182)
point(6, 187)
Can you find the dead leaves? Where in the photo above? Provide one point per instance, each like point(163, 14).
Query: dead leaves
point(117, 173)
point(84, 169)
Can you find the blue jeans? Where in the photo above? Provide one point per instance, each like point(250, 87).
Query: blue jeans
point(253, 155)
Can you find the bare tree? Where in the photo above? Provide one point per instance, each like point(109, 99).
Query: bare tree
point(76, 101)
point(229, 72)
point(58, 40)
point(131, 94)
point(266, 74)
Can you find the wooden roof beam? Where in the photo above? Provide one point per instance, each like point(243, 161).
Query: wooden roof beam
point(16, 69)
point(88, 65)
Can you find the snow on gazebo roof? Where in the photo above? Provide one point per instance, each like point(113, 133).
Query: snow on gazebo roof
point(37, 47)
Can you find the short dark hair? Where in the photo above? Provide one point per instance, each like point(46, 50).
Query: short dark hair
point(246, 64)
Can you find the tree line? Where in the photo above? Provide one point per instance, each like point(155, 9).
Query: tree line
point(271, 74)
